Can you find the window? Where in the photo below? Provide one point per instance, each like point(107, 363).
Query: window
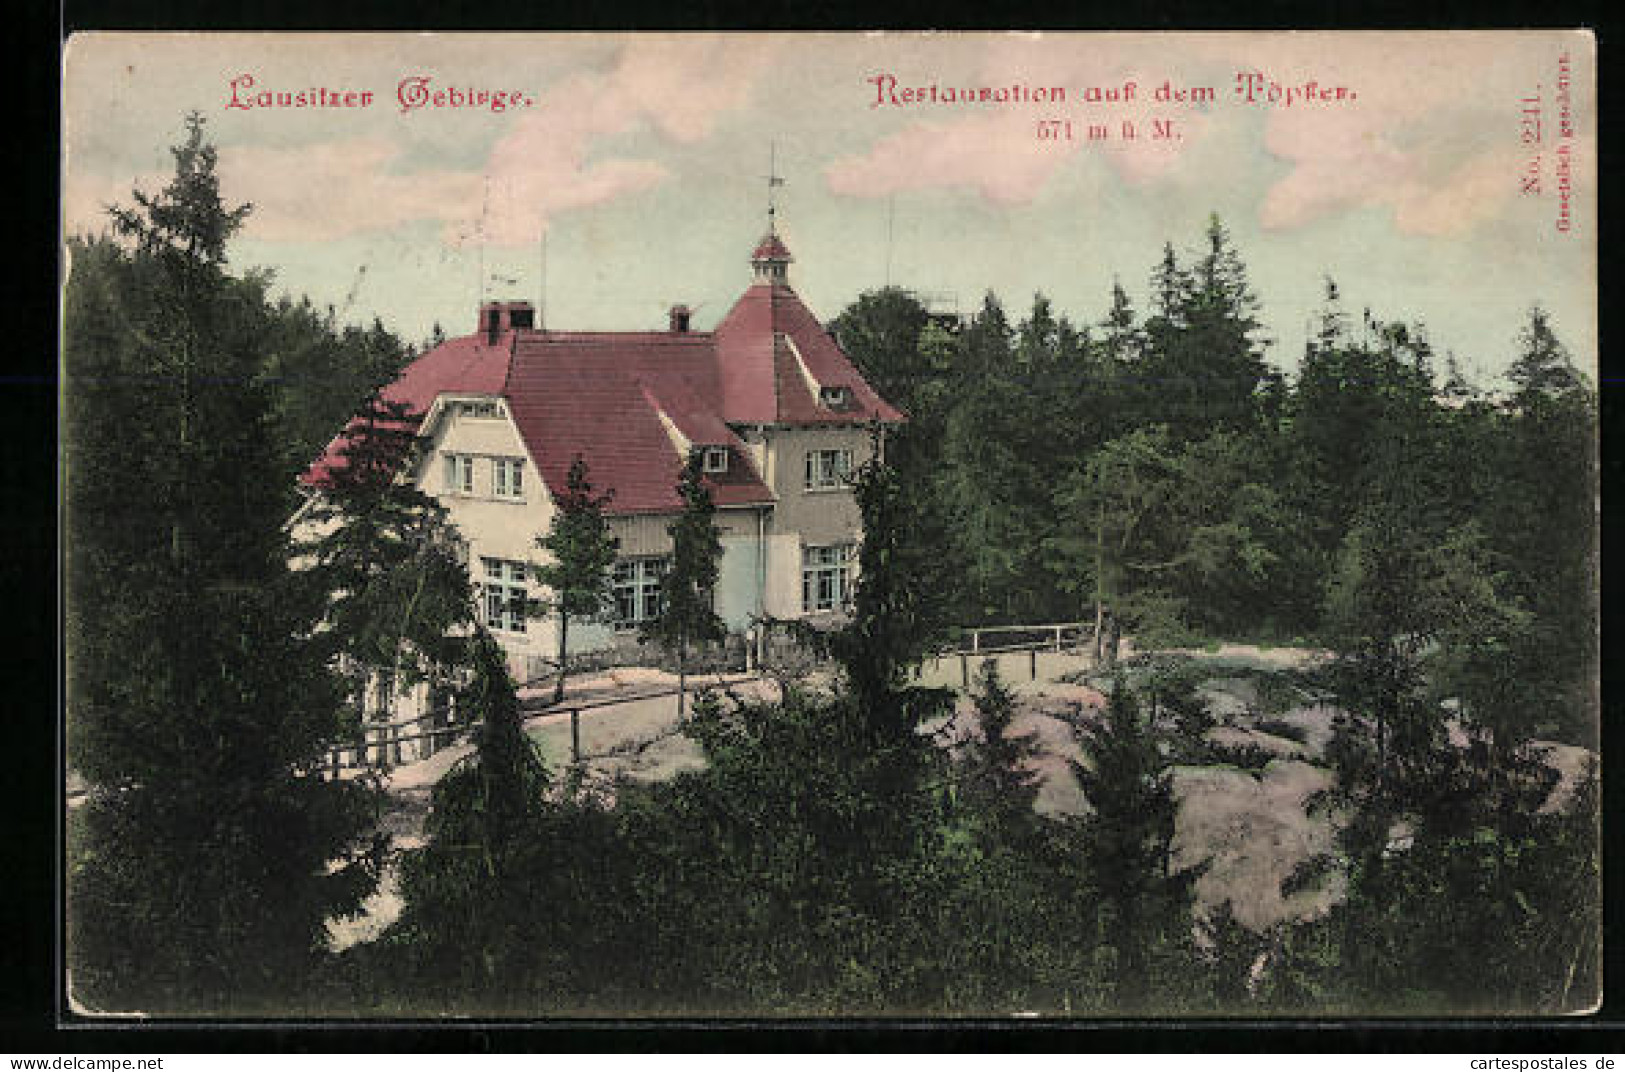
point(715, 460)
point(828, 469)
point(507, 478)
point(505, 595)
point(479, 409)
point(636, 590)
point(826, 577)
point(835, 396)
point(460, 474)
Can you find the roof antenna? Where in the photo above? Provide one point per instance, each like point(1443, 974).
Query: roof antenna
point(891, 210)
point(485, 207)
point(541, 297)
point(773, 179)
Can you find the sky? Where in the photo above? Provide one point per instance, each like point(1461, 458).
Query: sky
point(1441, 177)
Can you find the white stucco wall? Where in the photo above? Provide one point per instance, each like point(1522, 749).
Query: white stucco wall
point(761, 569)
point(493, 527)
point(806, 518)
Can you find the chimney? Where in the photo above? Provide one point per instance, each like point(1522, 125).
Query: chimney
point(497, 317)
point(679, 319)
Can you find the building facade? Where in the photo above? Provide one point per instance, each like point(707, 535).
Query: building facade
point(780, 415)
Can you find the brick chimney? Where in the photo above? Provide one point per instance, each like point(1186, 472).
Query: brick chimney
point(498, 317)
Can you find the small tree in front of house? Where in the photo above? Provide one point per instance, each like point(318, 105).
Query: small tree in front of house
point(583, 552)
point(686, 615)
point(399, 606)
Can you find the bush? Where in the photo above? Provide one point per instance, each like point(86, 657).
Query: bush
point(1248, 757)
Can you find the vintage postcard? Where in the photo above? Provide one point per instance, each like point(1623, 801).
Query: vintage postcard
point(827, 525)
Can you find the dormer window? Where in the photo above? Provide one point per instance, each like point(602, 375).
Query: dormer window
point(481, 409)
point(835, 396)
point(714, 460)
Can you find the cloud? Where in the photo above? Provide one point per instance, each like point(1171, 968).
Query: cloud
point(1431, 136)
point(683, 84)
point(546, 164)
point(1429, 186)
point(86, 198)
point(997, 150)
point(995, 155)
point(680, 87)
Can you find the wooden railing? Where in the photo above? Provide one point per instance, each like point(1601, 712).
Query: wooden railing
point(993, 640)
point(381, 744)
point(384, 739)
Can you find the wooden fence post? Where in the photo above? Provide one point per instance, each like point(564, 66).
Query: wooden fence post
point(575, 735)
point(1032, 663)
point(964, 670)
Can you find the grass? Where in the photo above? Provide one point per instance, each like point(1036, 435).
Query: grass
point(554, 754)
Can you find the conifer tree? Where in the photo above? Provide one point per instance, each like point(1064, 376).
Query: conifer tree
point(321, 373)
point(1203, 363)
point(1126, 841)
point(1543, 366)
point(581, 552)
point(995, 766)
point(1547, 525)
point(212, 853)
point(687, 591)
point(468, 890)
point(991, 478)
point(400, 608)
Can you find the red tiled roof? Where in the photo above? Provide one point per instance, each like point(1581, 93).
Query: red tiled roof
point(760, 381)
point(465, 365)
point(599, 394)
point(693, 419)
point(771, 248)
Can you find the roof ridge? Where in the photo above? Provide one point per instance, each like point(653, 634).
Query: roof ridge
point(558, 335)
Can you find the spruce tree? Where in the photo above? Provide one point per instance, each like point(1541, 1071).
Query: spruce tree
point(1142, 905)
point(212, 853)
point(990, 475)
point(687, 590)
point(400, 610)
point(1547, 524)
point(322, 372)
point(580, 554)
point(995, 766)
point(467, 892)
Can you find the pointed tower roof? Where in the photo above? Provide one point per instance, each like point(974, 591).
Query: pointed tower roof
point(774, 358)
point(771, 248)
